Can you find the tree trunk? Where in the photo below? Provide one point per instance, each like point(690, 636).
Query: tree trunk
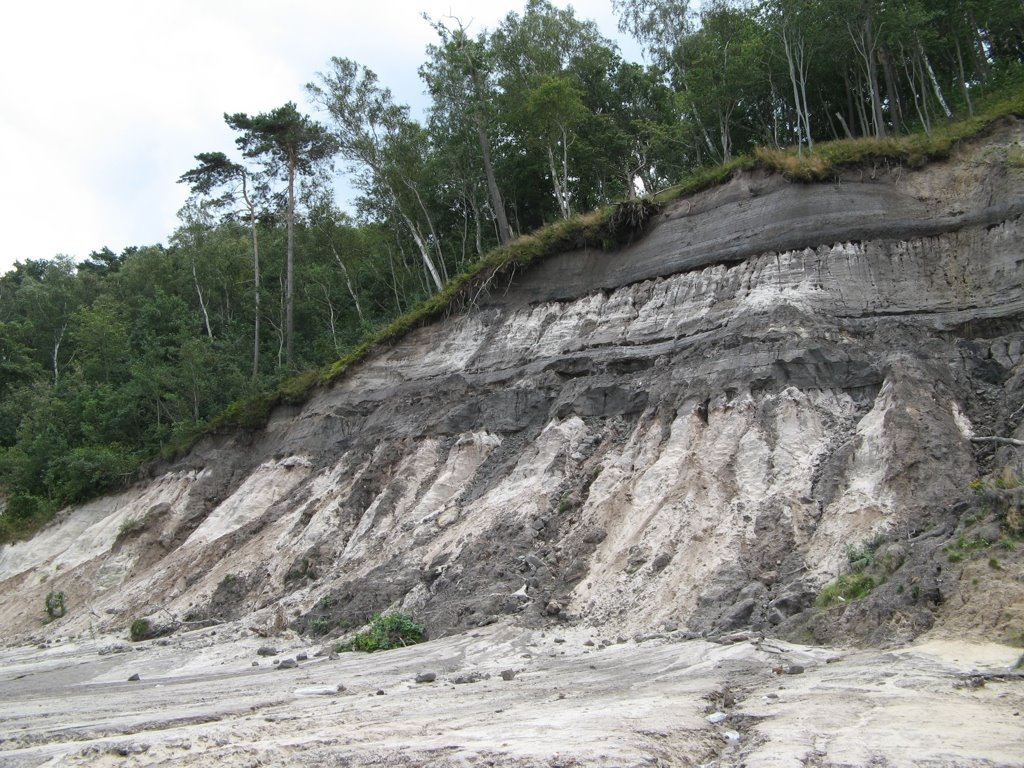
point(934, 80)
point(202, 302)
point(865, 41)
point(255, 279)
point(895, 107)
point(289, 285)
point(348, 284)
point(963, 80)
point(497, 203)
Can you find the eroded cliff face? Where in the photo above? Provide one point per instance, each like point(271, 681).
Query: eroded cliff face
point(691, 431)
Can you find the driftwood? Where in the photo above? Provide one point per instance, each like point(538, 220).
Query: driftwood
point(1000, 440)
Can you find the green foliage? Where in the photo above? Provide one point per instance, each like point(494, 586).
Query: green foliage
point(386, 631)
point(54, 605)
point(1003, 495)
point(23, 516)
point(847, 587)
point(964, 547)
point(320, 625)
point(131, 527)
point(140, 629)
point(87, 471)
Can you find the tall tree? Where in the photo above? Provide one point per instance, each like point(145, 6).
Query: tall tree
point(458, 74)
point(216, 172)
point(290, 142)
point(384, 147)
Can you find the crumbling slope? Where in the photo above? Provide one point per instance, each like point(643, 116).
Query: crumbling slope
point(692, 431)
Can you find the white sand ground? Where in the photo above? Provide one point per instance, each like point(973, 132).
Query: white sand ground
point(200, 702)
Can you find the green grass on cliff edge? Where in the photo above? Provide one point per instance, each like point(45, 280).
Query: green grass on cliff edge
point(610, 227)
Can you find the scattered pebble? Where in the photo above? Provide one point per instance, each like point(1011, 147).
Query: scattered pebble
point(508, 674)
point(288, 664)
point(426, 677)
point(134, 678)
point(717, 717)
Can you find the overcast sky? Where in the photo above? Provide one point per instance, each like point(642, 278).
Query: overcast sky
point(104, 103)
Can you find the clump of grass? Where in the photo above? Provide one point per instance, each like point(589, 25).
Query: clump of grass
point(1003, 494)
point(140, 629)
point(850, 586)
point(386, 631)
point(54, 604)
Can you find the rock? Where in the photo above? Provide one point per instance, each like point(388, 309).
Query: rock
point(738, 615)
point(380, 692)
point(323, 690)
point(892, 555)
point(134, 678)
point(472, 677)
point(661, 561)
point(990, 533)
point(717, 717)
point(426, 677)
point(301, 657)
point(552, 608)
point(508, 674)
point(792, 669)
point(266, 650)
point(288, 664)
point(594, 536)
point(255, 663)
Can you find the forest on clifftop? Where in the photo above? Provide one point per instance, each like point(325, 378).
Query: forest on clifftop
point(106, 363)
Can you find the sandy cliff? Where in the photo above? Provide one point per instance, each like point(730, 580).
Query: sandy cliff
point(689, 432)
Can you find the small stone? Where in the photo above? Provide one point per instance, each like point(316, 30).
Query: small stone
point(508, 674)
point(255, 663)
point(426, 677)
point(266, 650)
point(589, 643)
point(552, 608)
point(380, 692)
point(793, 669)
point(301, 657)
point(717, 717)
point(134, 678)
point(333, 656)
point(288, 664)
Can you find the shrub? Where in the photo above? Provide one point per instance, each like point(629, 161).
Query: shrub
point(386, 631)
point(85, 472)
point(852, 586)
point(55, 605)
point(1003, 494)
point(140, 629)
point(320, 625)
